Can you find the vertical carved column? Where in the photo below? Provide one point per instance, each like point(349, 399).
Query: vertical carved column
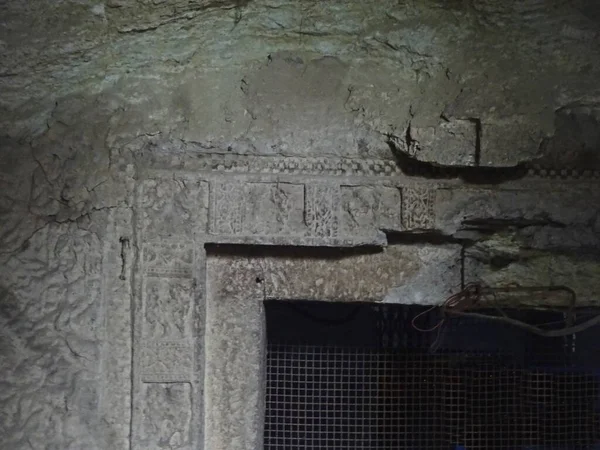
point(171, 212)
point(226, 209)
point(235, 346)
point(115, 405)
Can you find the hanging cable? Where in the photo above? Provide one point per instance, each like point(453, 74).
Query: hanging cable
point(461, 304)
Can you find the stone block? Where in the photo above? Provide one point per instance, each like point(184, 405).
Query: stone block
point(457, 208)
point(274, 209)
point(167, 416)
point(174, 207)
point(321, 210)
point(368, 209)
point(418, 212)
point(172, 259)
point(451, 143)
point(166, 361)
point(168, 307)
point(500, 262)
point(510, 142)
point(227, 208)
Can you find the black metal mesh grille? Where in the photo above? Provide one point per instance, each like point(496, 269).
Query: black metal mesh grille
point(399, 395)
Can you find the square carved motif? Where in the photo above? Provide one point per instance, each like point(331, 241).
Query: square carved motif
point(168, 308)
point(367, 209)
point(173, 207)
point(274, 208)
point(166, 361)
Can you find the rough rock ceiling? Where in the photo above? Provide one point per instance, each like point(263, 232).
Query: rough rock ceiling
point(478, 82)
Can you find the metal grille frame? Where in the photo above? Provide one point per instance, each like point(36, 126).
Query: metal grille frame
point(401, 395)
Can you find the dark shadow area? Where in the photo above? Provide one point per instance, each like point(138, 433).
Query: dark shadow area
point(293, 252)
point(472, 175)
point(493, 225)
point(576, 140)
point(357, 376)
point(425, 237)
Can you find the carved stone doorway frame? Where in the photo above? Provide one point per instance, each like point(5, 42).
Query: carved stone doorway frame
point(196, 316)
point(239, 281)
point(255, 201)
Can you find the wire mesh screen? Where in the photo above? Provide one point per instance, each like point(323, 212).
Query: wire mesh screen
point(477, 390)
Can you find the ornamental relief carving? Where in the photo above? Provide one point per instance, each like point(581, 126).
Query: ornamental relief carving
point(324, 210)
point(166, 361)
point(368, 208)
point(289, 201)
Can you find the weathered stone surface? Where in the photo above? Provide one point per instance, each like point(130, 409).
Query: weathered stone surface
point(235, 331)
point(167, 416)
point(335, 77)
point(476, 208)
point(52, 335)
point(576, 138)
point(227, 208)
point(502, 263)
point(322, 209)
point(167, 361)
point(274, 209)
point(451, 143)
point(438, 277)
point(168, 258)
point(235, 337)
point(115, 386)
point(93, 94)
point(334, 275)
point(174, 207)
point(418, 208)
point(366, 209)
point(279, 95)
point(168, 306)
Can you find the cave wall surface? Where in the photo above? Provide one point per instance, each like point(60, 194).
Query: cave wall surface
point(462, 136)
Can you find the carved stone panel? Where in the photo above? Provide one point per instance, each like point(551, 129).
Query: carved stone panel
point(167, 361)
point(418, 208)
point(168, 306)
point(227, 208)
point(167, 416)
point(366, 209)
point(172, 259)
point(274, 209)
point(174, 207)
point(321, 212)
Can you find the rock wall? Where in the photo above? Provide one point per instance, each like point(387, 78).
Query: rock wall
point(93, 95)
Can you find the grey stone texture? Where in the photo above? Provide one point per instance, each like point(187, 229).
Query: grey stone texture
point(343, 150)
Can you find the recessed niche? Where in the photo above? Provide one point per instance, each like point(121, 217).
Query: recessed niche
point(361, 376)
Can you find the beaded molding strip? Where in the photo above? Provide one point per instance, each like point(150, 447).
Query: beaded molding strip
point(333, 166)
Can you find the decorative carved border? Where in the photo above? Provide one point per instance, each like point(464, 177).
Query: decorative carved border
point(565, 173)
point(340, 167)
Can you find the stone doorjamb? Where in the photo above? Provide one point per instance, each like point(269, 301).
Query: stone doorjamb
point(238, 284)
point(267, 201)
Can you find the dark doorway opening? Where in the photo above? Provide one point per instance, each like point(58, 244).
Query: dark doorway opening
point(360, 376)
